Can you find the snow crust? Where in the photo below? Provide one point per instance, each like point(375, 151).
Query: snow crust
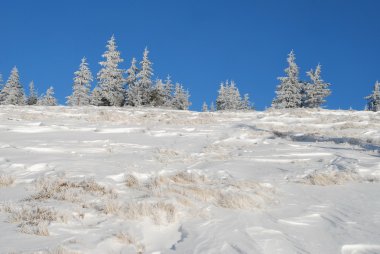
point(139, 180)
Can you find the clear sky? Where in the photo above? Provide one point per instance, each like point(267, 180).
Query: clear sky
point(199, 43)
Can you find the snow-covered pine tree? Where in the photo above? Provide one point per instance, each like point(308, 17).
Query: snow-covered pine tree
point(157, 96)
point(204, 107)
point(110, 78)
point(373, 100)
point(13, 92)
point(1, 85)
point(212, 107)
point(3, 93)
point(133, 90)
point(81, 87)
point(96, 97)
point(228, 97)
point(316, 91)
point(222, 97)
point(33, 97)
point(180, 98)
point(168, 92)
point(48, 99)
point(145, 78)
point(162, 93)
point(289, 91)
point(246, 104)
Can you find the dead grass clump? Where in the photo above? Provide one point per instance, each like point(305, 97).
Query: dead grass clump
point(128, 239)
point(61, 250)
point(196, 193)
point(111, 207)
point(191, 189)
point(131, 181)
point(184, 177)
point(160, 212)
point(60, 188)
point(164, 155)
point(331, 177)
point(237, 201)
point(34, 219)
point(6, 180)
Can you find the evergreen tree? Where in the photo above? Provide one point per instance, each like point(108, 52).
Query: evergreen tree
point(180, 98)
point(168, 91)
point(145, 78)
point(373, 100)
point(1, 86)
point(289, 91)
point(96, 97)
point(13, 92)
point(110, 77)
point(212, 107)
point(228, 97)
point(204, 107)
point(81, 87)
point(162, 93)
point(3, 93)
point(133, 91)
point(33, 97)
point(316, 91)
point(158, 94)
point(246, 104)
point(48, 99)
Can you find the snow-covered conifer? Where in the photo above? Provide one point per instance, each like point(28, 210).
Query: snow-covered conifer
point(133, 90)
point(81, 87)
point(48, 98)
point(168, 92)
point(145, 78)
point(33, 97)
point(373, 100)
point(180, 98)
point(1, 85)
point(212, 107)
point(13, 92)
point(96, 98)
point(110, 77)
point(204, 107)
point(158, 94)
point(222, 97)
point(228, 97)
point(289, 91)
point(316, 91)
point(246, 104)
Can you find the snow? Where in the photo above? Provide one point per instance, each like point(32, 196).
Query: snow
point(141, 180)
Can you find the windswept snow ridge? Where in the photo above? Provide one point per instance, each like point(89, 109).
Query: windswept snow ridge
point(137, 180)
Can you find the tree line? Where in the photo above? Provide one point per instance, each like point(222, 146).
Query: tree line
point(135, 87)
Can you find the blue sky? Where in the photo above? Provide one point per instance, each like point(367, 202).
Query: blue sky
point(199, 43)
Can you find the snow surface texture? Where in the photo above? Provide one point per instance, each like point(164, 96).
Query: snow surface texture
point(127, 180)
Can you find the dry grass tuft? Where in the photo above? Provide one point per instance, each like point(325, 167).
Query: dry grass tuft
point(6, 180)
point(190, 189)
point(33, 219)
point(61, 250)
point(160, 212)
point(334, 177)
point(60, 188)
point(131, 181)
point(128, 239)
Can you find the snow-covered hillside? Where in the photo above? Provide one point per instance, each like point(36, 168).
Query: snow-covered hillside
point(118, 180)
